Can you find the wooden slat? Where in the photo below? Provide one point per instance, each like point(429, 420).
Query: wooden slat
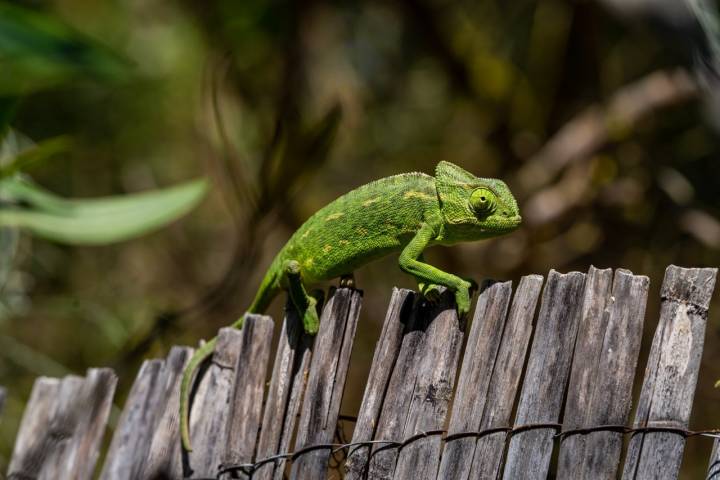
point(245, 401)
point(433, 390)
point(135, 428)
point(60, 434)
point(208, 415)
point(164, 458)
point(546, 375)
point(386, 352)
point(284, 395)
point(29, 452)
point(420, 386)
point(714, 464)
point(480, 353)
point(600, 392)
point(326, 382)
point(671, 373)
point(399, 391)
point(487, 451)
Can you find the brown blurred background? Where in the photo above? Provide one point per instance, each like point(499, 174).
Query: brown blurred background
point(595, 118)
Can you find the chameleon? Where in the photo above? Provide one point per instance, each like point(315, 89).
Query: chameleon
point(404, 213)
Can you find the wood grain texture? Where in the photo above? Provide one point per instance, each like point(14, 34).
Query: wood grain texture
point(386, 352)
point(671, 373)
point(63, 426)
point(481, 351)
point(714, 464)
point(606, 355)
point(135, 427)
point(488, 451)
point(399, 391)
point(546, 375)
point(326, 382)
point(283, 399)
point(164, 458)
point(433, 389)
point(246, 399)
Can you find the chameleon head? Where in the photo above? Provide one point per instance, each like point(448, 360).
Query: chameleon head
point(478, 207)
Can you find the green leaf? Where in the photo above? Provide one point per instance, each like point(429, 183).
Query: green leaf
point(95, 221)
point(39, 51)
point(35, 154)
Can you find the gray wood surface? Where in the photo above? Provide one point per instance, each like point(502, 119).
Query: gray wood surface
point(246, 399)
point(164, 458)
point(326, 382)
point(546, 375)
point(283, 399)
point(714, 464)
point(671, 373)
point(135, 427)
point(433, 389)
point(481, 350)
point(600, 389)
point(398, 395)
point(210, 401)
point(62, 427)
point(488, 451)
point(386, 352)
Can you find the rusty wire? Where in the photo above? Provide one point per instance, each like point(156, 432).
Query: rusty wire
point(342, 447)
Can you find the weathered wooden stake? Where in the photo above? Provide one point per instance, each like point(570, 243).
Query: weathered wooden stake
point(284, 395)
point(326, 382)
point(62, 427)
point(386, 352)
point(671, 373)
point(246, 397)
point(546, 375)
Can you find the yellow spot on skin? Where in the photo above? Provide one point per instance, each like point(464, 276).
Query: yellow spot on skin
point(361, 231)
point(344, 242)
point(413, 194)
point(367, 203)
point(327, 248)
point(309, 262)
point(307, 232)
point(334, 216)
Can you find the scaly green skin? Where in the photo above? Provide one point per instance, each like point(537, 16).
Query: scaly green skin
point(404, 213)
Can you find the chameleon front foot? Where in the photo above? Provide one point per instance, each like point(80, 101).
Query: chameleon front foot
point(431, 291)
point(462, 297)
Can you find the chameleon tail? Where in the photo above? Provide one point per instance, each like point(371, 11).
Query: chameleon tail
point(269, 288)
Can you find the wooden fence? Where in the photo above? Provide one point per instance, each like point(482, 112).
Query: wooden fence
point(576, 360)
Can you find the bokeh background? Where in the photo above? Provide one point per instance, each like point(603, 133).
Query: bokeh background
point(601, 120)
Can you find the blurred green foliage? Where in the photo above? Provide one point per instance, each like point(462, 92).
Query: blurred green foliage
point(606, 141)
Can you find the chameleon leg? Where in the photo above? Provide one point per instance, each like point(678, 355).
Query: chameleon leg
point(304, 303)
point(431, 291)
point(432, 275)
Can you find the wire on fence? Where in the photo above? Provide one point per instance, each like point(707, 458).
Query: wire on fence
point(560, 433)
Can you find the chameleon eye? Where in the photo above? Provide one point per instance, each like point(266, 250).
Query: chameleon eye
point(482, 201)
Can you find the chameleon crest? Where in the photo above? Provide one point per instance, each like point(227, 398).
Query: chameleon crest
point(404, 213)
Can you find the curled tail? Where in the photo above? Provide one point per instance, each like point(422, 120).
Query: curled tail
point(269, 288)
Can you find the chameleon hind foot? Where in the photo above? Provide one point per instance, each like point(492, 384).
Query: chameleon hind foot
point(306, 305)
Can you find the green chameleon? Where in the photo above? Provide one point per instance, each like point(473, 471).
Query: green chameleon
point(404, 213)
